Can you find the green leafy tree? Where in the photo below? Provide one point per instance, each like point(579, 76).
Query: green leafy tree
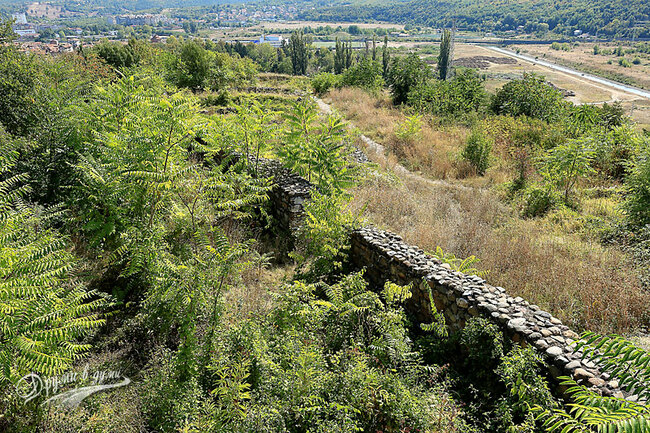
point(385, 58)
point(462, 94)
point(317, 150)
point(405, 74)
point(324, 236)
point(116, 54)
point(299, 47)
point(589, 411)
point(191, 66)
point(339, 56)
point(365, 74)
point(531, 96)
point(566, 164)
point(7, 34)
point(46, 311)
point(637, 183)
point(20, 104)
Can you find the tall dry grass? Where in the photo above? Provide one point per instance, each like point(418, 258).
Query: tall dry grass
point(586, 285)
point(433, 151)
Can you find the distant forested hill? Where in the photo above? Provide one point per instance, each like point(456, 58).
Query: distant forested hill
point(605, 17)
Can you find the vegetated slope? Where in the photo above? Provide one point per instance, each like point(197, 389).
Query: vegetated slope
point(604, 17)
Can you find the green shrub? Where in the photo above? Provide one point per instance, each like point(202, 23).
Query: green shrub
point(463, 94)
point(530, 96)
point(615, 150)
point(220, 99)
point(537, 201)
point(637, 203)
point(624, 62)
point(323, 82)
point(405, 74)
point(477, 151)
point(367, 74)
point(636, 61)
point(410, 129)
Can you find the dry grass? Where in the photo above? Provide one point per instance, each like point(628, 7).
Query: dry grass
point(552, 262)
point(252, 297)
point(585, 284)
point(433, 152)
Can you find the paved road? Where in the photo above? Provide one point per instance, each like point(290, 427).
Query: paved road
point(613, 84)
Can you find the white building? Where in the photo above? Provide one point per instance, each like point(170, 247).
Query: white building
point(20, 18)
point(273, 40)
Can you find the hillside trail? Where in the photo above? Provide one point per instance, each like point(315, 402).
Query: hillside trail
point(377, 153)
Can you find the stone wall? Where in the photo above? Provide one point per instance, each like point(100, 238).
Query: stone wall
point(287, 196)
point(288, 193)
point(386, 257)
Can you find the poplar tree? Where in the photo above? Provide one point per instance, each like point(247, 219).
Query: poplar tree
point(446, 54)
point(385, 57)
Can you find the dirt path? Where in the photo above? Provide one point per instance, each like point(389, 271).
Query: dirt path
point(377, 153)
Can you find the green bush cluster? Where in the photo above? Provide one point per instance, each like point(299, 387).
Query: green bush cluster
point(477, 151)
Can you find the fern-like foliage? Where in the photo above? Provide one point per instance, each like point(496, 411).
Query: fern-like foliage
point(621, 359)
point(44, 312)
point(591, 412)
point(466, 266)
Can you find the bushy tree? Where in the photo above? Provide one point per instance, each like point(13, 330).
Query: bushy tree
point(191, 66)
point(405, 74)
point(117, 54)
point(462, 94)
point(530, 96)
point(564, 165)
point(366, 74)
point(317, 149)
point(637, 203)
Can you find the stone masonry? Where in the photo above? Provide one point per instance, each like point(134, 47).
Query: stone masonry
point(386, 257)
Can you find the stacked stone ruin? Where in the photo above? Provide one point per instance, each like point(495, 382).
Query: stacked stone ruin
point(386, 257)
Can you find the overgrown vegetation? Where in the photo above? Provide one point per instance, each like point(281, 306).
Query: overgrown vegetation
point(136, 233)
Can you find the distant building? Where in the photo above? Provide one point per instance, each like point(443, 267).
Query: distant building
point(20, 18)
point(140, 20)
point(273, 40)
point(577, 32)
point(25, 32)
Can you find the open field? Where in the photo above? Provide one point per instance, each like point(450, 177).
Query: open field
point(581, 56)
point(586, 91)
point(44, 10)
point(549, 261)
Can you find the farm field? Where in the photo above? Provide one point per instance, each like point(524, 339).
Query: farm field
point(586, 91)
point(582, 56)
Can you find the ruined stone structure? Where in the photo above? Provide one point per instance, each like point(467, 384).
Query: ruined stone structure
point(459, 297)
point(386, 257)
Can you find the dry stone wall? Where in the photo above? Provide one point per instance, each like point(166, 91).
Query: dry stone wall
point(288, 193)
point(386, 257)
